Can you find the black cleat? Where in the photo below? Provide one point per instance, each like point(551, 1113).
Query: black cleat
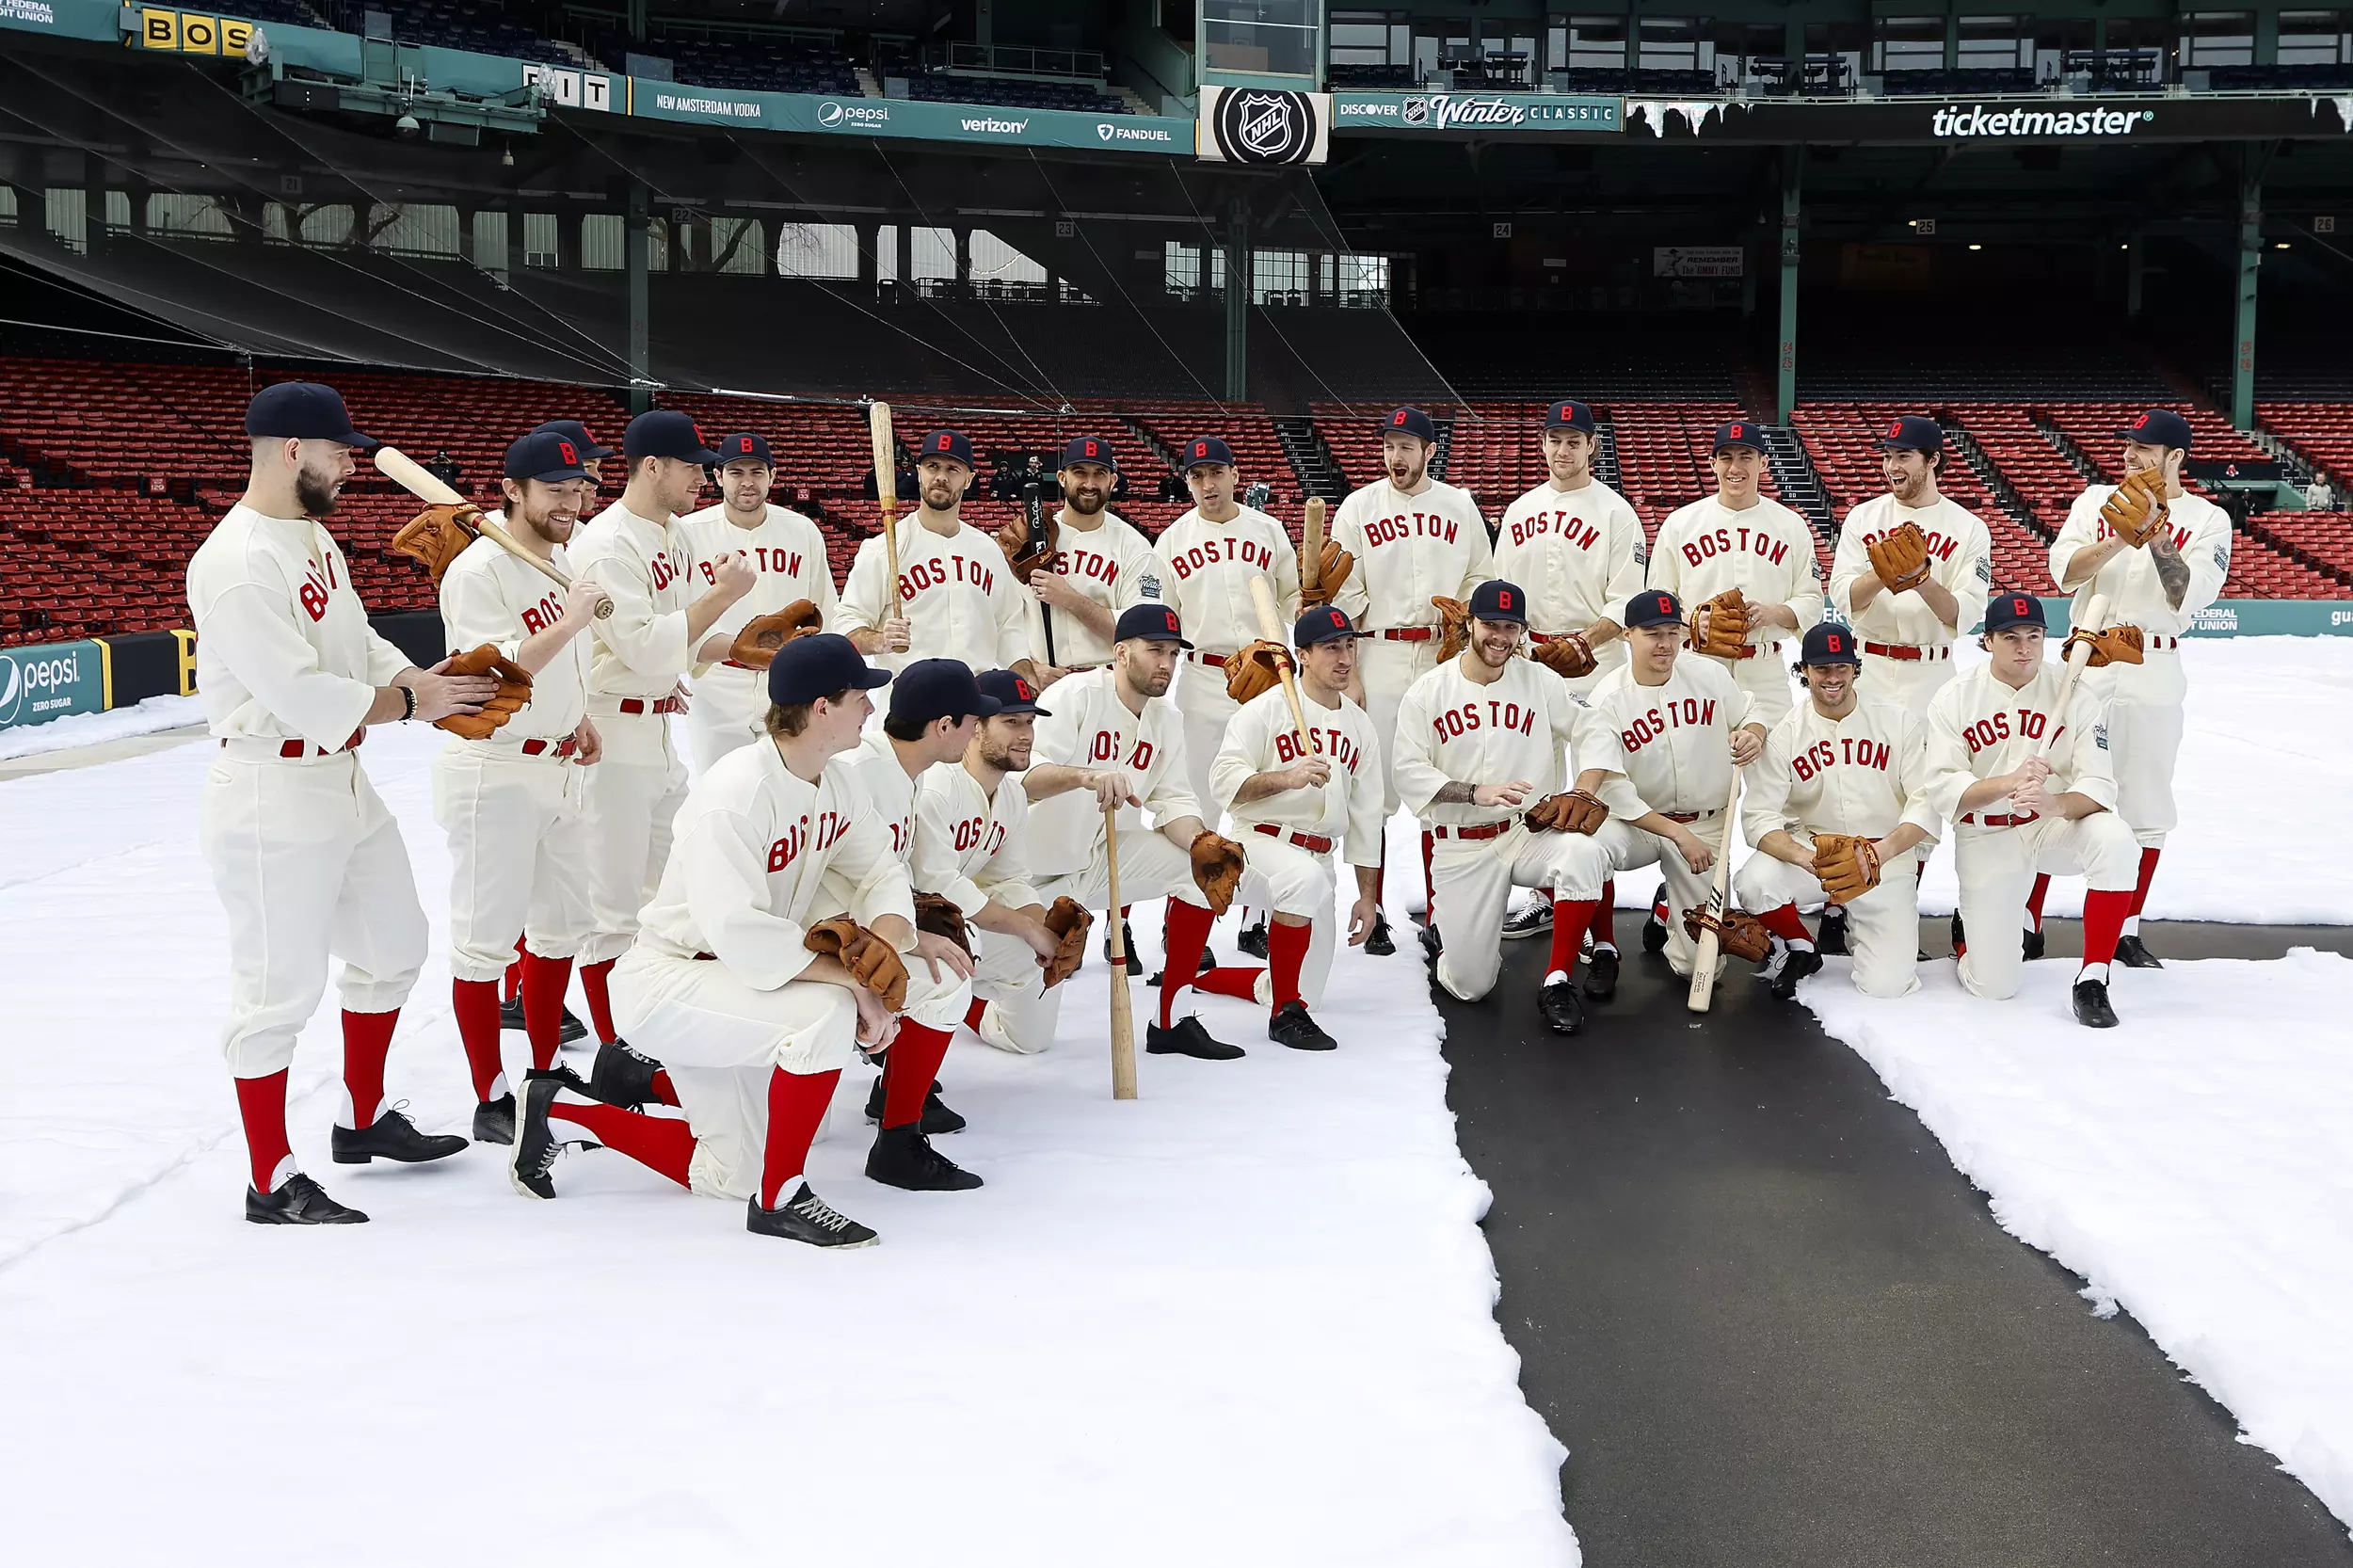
point(902, 1156)
point(1128, 936)
point(1831, 940)
point(568, 1032)
point(1562, 1010)
point(299, 1201)
point(1186, 1038)
point(2030, 948)
point(1252, 941)
point(937, 1117)
point(1379, 944)
point(804, 1217)
point(1795, 966)
point(623, 1075)
point(1960, 937)
point(1535, 919)
point(2134, 953)
point(1292, 1026)
point(494, 1120)
point(1601, 974)
point(391, 1136)
point(1209, 962)
point(1432, 944)
point(2091, 1004)
point(533, 1153)
point(1655, 928)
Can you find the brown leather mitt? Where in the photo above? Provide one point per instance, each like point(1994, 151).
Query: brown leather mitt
point(1068, 919)
point(1217, 867)
point(942, 918)
point(2114, 645)
point(1256, 669)
point(1578, 811)
point(2135, 512)
point(869, 959)
point(1013, 539)
point(1901, 559)
point(1332, 569)
point(1568, 655)
point(437, 535)
point(1847, 864)
point(1727, 626)
point(1739, 933)
point(514, 690)
point(1454, 622)
point(762, 635)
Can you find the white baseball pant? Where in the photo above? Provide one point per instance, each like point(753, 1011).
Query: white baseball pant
point(1882, 926)
point(518, 856)
point(628, 805)
point(1997, 865)
point(1629, 847)
point(1908, 682)
point(1202, 702)
point(2144, 719)
point(939, 1003)
point(728, 710)
point(1474, 879)
point(1279, 876)
point(1387, 667)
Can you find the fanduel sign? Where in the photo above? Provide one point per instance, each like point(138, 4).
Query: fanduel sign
point(1976, 120)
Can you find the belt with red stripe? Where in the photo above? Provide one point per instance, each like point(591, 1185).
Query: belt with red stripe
point(739, 665)
point(563, 747)
point(1908, 651)
point(297, 751)
point(1536, 636)
point(1484, 830)
point(1215, 661)
point(1748, 650)
point(2006, 821)
point(659, 705)
point(2162, 645)
point(1314, 843)
point(1406, 634)
point(1686, 816)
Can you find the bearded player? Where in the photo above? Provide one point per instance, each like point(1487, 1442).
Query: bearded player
point(956, 596)
point(1910, 566)
point(1091, 565)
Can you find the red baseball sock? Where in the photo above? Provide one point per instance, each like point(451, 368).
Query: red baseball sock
point(367, 1041)
point(910, 1069)
point(1234, 980)
point(1784, 923)
point(2148, 874)
point(1429, 888)
point(545, 980)
point(476, 1004)
point(515, 973)
point(1604, 924)
point(662, 1144)
point(663, 1090)
point(262, 1106)
point(592, 979)
point(1285, 952)
point(2104, 923)
point(1187, 935)
point(796, 1104)
point(1570, 917)
point(972, 1015)
point(2034, 900)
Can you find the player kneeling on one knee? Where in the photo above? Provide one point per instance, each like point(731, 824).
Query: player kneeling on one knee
point(1835, 807)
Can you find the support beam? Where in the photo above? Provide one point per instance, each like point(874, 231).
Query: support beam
point(640, 304)
point(1785, 358)
point(964, 263)
point(2135, 267)
point(1237, 298)
point(2250, 239)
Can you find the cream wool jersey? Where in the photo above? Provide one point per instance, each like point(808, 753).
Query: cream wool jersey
point(1577, 554)
point(971, 845)
point(1668, 747)
point(2201, 531)
point(787, 555)
point(886, 783)
point(1206, 572)
point(283, 649)
point(1450, 728)
point(1260, 738)
point(1960, 561)
point(753, 845)
point(1860, 774)
point(641, 649)
point(1409, 549)
point(488, 595)
point(956, 591)
point(1978, 727)
point(1088, 726)
point(1766, 551)
point(1112, 566)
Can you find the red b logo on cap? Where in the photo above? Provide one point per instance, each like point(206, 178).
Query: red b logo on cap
point(1022, 689)
point(1739, 429)
point(743, 443)
point(571, 453)
point(1895, 429)
point(1503, 598)
point(1201, 448)
point(943, 444)
point(1833, 644)
point(1398, 417)
point(1090, 449)
point(2140, 423)
point(2017, 607)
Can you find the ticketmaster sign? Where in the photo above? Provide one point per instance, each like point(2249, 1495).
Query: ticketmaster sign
point(910, 119)
point(1475, 113)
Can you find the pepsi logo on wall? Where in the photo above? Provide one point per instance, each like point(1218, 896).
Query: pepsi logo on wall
point(1264, 126)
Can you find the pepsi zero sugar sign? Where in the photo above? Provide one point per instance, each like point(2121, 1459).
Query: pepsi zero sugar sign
point(1264, 126)
point(37, 684)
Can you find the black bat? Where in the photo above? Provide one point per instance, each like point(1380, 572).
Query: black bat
point(1040, 543)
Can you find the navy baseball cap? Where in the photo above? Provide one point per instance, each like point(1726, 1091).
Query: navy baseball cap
point(1409, 422)
point(1208, 449)
point(1011, 693)
point(748, 447)
point(1568, 414)
point(1153, 622)
point(1088, 449)
point(2159, 427)
point(1322, 624)
point(1912, 433)
point(590, 450)
point(1740, 432)
point(1651, 607)
point(1827, 642)
point(1497, 599)
point(2004, 611)
point(302, 410)
point(946, 443)
point(667, 433)
point(810, 668)
point(546, 455)
point(937, 689)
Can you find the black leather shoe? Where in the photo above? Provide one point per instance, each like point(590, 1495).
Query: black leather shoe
point(622, 1076)
point(1209, 962)
point(1127, 935)
point(1432, 945)
point(1562, 1012)
point(571, 1030)
point(2134, 953)
point(494, 1120)
point(1186, 1038)
point(1252, 941)
point(1831, 937)
point(533, 1153)
point(1795, 966)
point(391, 1136)
point(1960, 937)
point(1655, 927)
point(1292, 1026)
point(1379, 944)
point(936, 1119)
point(1601, 974)
point(2091, 1004)
point(902, 1156)
point(804, 1217)
point(2030, 945)
point(299, 1201)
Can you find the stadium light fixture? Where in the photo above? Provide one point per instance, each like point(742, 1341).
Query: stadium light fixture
point(1976, 247)
point(2281, 245)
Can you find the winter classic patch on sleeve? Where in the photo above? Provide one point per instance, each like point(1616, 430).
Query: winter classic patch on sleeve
point(1985, 570)
point(1148, 584)
point(2222, 557)
point(2100, 736)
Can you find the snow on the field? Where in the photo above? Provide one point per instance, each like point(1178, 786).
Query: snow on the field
point(117, 724)
point(2190, 1164)
point(1246, 1319)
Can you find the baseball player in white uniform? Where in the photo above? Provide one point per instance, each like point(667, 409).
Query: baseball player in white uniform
point(956, 593)
point(722, 981)
point(662, 624)
point(1840, 764)
point(1415, 539)
point(308, 862)
point(2158, 586)
point(1475, 738)
point(2028, 790)
point(1907, 634)
point(1098, 566)
point(510, 802)
point(787, 555)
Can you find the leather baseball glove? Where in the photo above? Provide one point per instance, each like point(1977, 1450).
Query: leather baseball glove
point(1332, 569)
point(437, 535)
point(1847, 864)
point(1739, 933)
point(871, 961)
point(2114, 645)
point(1454, 621)
point(1900, 560)
point(1568, 655)
point(1578, 811)
point(2135, 512)
point(942, 918)
point(514, 690)
point(1013, 539)
point(1070, 920)
point(762, 635)
point(1256, 669)
point(1217, 867)
point(1727, 625)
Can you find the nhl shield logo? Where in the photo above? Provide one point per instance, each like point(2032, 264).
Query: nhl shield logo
point(1261, 125)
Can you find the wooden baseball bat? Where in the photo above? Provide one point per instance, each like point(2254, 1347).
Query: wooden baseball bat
point(1270, 629)
point(2077, 657)
point(886, 490)
point(405, 472)
point(1703, 963)
point(1123, 1022)
point(1311, 567)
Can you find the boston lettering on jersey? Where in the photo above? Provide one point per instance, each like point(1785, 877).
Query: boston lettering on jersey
point(1705, 547)
point(1410, 525)
point(1083, 563)
point(1105, 749)
point(1995, 728)
point(1226, 546)
point(538, 618)
point(785, 563)
point(2100, 530)
point(1465, 719)
point(1334, 744)
point(971, 830)
point(1570, 527)
point(1678, 712)
point(318, 581)
point(831, 825)
point(941, 570)
point(1939, 546)
point(666, 566)
point(1854, 752)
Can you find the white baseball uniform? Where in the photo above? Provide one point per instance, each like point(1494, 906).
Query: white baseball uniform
point(1112, 565)
point(1978, 727)
point(957, 593)
point(1860, 775)
point(1667, 749)
point(935, 1001)
point(787, 555)
point(1907, 650)
point(1452, 730)
point(2144, 700)
point(1579, 556)
point(710, 985)
point(307, 860)
point(1766, 553)
point(969, 846)
point(1206, 570)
